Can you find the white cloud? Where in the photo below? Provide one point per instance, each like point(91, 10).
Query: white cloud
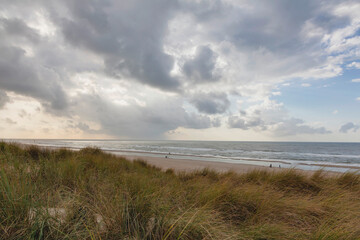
point(306, 85)
point(356, 80)
point(335, 112)
point(344, 38)
point(354, 65)
point(294, 126)
point(272, 117)
point(276, 93)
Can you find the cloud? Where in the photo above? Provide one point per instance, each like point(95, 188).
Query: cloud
point(257, 117)
point(349, 126)
point(19, 74)
point(296, 126)
point(287, 127)
point(358, 98)
point(354, 65)
point(211, 103)
point(238, 122)
point(83, 127)
point(306, 85)
point(255, 29)
point(136, 121)
point(276, 93)
point(201, 68)
point(272, 117)
point(356, 80)
point(23, 113)
point(216, 122)
point(3, 98)
point(129, 67)
point(17, 29)
point(128, 35)
point(196, 121)
point(9, 121)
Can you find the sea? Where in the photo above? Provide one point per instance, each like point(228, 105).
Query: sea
point(329, 156)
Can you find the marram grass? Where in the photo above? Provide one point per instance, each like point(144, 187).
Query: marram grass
point(89, 194)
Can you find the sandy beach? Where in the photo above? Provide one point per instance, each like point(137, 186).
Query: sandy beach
point(190, 165)
point(186, 165)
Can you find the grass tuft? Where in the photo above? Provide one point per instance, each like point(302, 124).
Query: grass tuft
point(349, 180)
point(291, 180)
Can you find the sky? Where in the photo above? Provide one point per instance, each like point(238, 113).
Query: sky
point(236, 70)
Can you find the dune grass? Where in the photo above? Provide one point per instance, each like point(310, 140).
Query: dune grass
point(89, 194)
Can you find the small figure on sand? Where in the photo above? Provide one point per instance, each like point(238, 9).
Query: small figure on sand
point(166, 156)
point(271, 165)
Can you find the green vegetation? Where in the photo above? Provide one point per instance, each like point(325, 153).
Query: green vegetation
point(90, 194)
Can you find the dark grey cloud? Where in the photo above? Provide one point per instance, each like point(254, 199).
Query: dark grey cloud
point(211, 103)
point(85, 128)
point(19, 74)
point(245, 124)
point(273, 25)
point(127, 34)
point(23, 73)
point(18, 29)
point(202, 67)
point(268, 26)
point(3, 98)
point(137, 121)
point(236, 122)
point(196, 121)
point(348, 127)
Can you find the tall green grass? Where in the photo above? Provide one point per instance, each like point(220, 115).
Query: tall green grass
point(137, 201)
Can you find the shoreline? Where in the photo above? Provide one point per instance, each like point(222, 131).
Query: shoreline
point(206, 159)
point(187, 165)
point(190, 162)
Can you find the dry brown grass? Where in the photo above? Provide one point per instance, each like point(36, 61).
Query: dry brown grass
point(137, 201)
